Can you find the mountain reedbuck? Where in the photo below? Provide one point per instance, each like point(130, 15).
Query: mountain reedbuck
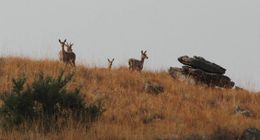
point(110, 63)
point(71, 56)
point(65, 56)
point(137, 65)
point(62, 53)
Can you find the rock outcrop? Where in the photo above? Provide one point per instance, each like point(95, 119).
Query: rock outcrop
point(198, 62)
point(202, 71)
point(250, 134)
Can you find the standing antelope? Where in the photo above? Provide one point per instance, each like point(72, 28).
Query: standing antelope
point(137, 65)
point(71, 56)
point(62, 53)
point(65, 56)
point(110, 63)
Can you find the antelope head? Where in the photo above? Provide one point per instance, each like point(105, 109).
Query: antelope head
point(69, 47)
point(144, 55)
point(62, 43)
point(110, 63)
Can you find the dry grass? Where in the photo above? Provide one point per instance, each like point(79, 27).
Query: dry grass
point(182, 111)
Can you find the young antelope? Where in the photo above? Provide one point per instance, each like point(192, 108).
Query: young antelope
point(137, 65)
point(71, 56)
point(110, 63)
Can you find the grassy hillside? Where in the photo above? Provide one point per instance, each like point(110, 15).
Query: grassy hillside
point(181, 112)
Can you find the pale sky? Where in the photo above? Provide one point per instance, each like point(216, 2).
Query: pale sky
point(226, 32)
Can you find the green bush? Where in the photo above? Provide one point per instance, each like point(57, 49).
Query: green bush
point(46, 101)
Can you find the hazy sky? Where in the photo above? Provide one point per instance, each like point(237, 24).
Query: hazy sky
point(226, 32)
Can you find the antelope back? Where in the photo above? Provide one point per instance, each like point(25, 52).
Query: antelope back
point(135, 64)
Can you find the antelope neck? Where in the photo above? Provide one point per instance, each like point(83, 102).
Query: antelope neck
point(63, 50)
point(142, 60)
point(62, 47)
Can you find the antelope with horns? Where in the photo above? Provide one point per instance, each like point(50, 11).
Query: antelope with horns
point(65, 56)
point(137, 65)
point(110, 63)
point(71, 56)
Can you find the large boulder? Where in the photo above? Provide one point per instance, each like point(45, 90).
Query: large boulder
point(200, 76)
point(180, 75)
point(201, 63)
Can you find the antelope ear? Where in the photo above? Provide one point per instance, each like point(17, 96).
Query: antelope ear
point(108, 60)
point(113, 59)
point(59, 40)
point(142, 51)
point(145, 51)
point(65, 40)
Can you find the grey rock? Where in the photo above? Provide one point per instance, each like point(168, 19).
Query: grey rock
point(250, 134)
point(201, 63)
point(153, 88)
point(243, 112)
point(202, 77)
point(180, 75)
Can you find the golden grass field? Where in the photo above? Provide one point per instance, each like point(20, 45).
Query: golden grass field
point(182, 112)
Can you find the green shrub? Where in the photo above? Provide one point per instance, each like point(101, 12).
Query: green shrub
point(46, 101)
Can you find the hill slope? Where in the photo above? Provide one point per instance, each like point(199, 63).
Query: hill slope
point(182, 111)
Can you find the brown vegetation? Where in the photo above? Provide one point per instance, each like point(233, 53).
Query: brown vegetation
point(181, 112)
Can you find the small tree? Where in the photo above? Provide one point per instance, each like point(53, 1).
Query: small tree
point(47, 101)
